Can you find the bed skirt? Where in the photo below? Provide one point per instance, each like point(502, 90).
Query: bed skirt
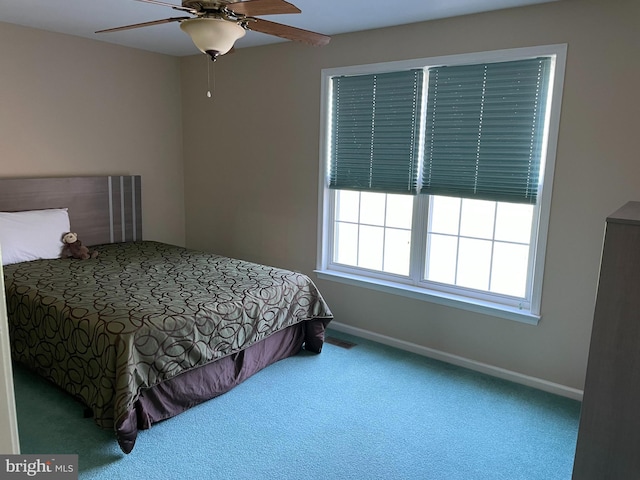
point(198, 385)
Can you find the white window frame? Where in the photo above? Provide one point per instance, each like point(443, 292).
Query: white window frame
point(399, 285)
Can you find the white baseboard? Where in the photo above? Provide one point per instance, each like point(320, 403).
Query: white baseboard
point(505, 374)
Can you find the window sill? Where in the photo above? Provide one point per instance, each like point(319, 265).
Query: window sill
point(469, 304)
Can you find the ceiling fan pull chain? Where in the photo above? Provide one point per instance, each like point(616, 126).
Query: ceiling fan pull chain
point(209, 77)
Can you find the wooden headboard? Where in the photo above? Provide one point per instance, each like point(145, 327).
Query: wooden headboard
point(104, 209)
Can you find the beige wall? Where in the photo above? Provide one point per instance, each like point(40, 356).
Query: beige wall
point(251, 170)
point(71, 106)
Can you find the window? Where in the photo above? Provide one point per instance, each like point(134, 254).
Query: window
point(373, 230)
point(436, 177)
point(479, 244)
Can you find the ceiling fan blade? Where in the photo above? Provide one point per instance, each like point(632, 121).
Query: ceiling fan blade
point(290, 33)
point(144, 24)
point(252, 8)
point(170, 5)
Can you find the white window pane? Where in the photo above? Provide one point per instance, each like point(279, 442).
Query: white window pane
point(442, 251)
point(372, 206)
point(445, 215)
point(347, 205)
point(370, 247)
point(513, 222)
point(476, 218)
point(509, 275)
point(474, 263)
point(346, 243)
point(397, 247)
point(399, 211)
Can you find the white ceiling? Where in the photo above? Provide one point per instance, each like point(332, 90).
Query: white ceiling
point(84, 17)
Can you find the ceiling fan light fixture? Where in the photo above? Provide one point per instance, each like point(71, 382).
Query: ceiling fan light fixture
point(213, 36)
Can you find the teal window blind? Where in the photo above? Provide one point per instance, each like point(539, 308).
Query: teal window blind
point(376, 132)
point(484, 130)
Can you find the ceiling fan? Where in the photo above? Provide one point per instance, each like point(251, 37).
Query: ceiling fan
point(217, 24)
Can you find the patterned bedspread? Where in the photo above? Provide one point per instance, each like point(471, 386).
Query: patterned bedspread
point(143, 312)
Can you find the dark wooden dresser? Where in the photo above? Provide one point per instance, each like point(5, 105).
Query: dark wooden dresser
point(608, 446)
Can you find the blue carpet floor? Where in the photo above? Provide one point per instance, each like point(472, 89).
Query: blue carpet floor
point(369, 412)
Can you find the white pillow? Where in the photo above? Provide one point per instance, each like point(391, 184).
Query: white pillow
point(33, 234)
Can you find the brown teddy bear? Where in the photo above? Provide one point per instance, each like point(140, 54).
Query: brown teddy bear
point(73, 248)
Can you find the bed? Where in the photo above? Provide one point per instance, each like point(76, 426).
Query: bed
point(145, 330)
